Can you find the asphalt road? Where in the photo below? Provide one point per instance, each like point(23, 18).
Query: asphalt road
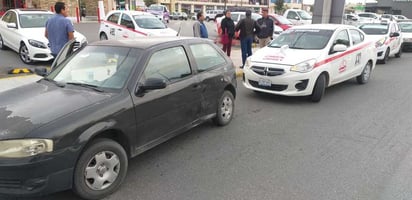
point(355, 144)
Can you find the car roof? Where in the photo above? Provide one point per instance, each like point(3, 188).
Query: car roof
point(323, 26)
point(130, 12)
point(30, 10)
point(144, 42)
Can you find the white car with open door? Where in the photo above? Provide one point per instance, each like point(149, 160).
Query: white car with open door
point(306, 59)
point(122, 24)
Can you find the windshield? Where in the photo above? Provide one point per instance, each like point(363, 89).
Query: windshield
point(406, 27)
point(304, 15)
point(148, 22)
point(156, 8)
point(303, 39)
point(99, 66)
point(283, 20)
point(374, 29)
point(34, 20)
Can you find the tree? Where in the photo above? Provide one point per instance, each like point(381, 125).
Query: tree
point(149, 2)
point(279, 6)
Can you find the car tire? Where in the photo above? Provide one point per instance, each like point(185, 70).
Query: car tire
point(398, 55)
point(365, 75)
point(386, 58)
point(2, 46)
point(103, 36)
point(225, 109)
point(318, 89)
point(24, 54)
point(104, 160)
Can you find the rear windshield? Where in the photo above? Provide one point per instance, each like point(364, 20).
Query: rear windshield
point(303, 39)
point(375, 29)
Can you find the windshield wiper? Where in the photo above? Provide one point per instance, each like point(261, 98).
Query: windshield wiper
point(93, 87)
point(55, 82)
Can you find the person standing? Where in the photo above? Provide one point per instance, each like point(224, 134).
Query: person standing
point(266, 28)
point(228, 27)
point(247, 27)
point(59, 29)
point(199, 27)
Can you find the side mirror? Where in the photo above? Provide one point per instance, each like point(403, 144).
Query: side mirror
point(41, 71)
point(153, 84)
point(395, 34)
point(297, 18)
point(130, 25)
point(339, 48)
point(11, 25)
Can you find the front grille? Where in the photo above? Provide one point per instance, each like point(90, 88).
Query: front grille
point(40, 55)
point(273, 87)
point(267, 71)
point(13, 183)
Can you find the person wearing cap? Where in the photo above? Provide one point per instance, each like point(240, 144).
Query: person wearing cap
point(266, 28)
point(248, 28)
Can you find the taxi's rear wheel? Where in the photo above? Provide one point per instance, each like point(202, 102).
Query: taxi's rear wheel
point(225, 108)
point(318, 89)
point(103, 36)
point(365, 75)
point(100, 169)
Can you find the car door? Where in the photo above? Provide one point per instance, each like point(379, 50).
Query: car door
point(65, 52)
point(126, 28)
point(3, 27)
point(210, 65)
point(110, 25)
point(293, 17)
point(10, 34)
point(338, 67)
point(164, 112)
point(359, 56)
point(396, 40)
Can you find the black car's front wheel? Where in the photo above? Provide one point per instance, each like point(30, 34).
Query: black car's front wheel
point(225, 109)
point(100, 169)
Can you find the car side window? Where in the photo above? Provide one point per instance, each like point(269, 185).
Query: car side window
point(356, 36)
point(6, 17)
point(342, 38)
point(170, 64)
point(126, 21)
point(206, 56)
point(114, 18)
point(291, 15)
point(13, 18)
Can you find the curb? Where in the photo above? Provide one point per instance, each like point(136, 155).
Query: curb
point(239, 73)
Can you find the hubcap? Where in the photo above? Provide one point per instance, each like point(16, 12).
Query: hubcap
point(366, 72)
point(102, 170)
point(24, 54)
point(226, 108)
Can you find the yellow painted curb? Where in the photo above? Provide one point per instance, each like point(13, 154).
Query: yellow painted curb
point(239, 72)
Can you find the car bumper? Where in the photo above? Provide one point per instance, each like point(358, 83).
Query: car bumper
point(38, 54)
point(36, 176)
point(407, 45)
point(381, 52)
point(287, 84)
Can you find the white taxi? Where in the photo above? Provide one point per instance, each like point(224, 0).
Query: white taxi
point(22, 30)
point(306, 59)
point(122, 24)
point(406, 28)
point(388, 38)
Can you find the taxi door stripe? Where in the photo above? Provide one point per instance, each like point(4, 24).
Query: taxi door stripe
point(328, 60)
point(133, 30)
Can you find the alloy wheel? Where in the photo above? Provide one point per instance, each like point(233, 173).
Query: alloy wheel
point(102, 170)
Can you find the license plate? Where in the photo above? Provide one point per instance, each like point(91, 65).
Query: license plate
point(265, 82)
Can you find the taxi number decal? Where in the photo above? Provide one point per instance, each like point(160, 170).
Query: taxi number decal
point(358, 58)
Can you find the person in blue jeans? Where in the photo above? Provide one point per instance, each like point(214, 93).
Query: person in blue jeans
point(248, 28)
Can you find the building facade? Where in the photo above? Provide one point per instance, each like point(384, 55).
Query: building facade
point(397, 7)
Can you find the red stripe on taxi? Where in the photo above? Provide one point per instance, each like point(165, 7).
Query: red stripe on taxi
point(328, 60)
point(133, 30)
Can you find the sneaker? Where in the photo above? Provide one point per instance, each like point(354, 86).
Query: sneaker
point(241, 67)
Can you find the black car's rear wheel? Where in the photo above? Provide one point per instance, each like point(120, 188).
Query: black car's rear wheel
point(100, 169)
point(225, 109)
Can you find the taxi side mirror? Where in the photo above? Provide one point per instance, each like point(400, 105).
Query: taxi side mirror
point(339, 48)
point(297, 18)
point(395, 34)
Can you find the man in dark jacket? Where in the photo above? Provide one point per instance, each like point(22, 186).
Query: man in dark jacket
point(266, 28)
point(228, 26)
point(247, 27)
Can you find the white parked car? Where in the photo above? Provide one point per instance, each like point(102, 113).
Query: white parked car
point(368, 17)
point(298, 16)
point(22, 30)
point(306, 59)
point(388, 38)
point(122, 24)
point(406, 29)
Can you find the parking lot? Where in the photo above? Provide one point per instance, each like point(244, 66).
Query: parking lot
point(355, 144)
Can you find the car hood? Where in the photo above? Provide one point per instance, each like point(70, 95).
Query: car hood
point(38, 34)
point(161, 32)
point(28, 107)
point(406, 35)
point(375, 38)
point(284, 56)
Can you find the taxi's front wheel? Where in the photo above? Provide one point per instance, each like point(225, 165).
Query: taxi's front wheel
point(318, 89)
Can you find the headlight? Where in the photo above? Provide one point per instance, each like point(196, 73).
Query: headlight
point(37, 44)
point(24, 148)
point(304, 67)
point(380, 42)
point(247, 63)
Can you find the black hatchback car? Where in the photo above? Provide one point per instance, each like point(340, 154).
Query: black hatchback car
point(107, 102)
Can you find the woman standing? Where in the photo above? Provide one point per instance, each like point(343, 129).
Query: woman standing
point(228, 29)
